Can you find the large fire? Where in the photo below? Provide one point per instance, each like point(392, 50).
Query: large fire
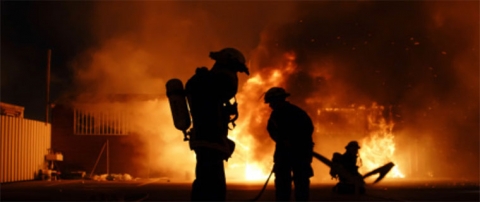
point(252, 160)
point(431, 73)
point(377, 148)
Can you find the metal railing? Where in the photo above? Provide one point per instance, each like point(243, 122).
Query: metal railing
point(89, 122)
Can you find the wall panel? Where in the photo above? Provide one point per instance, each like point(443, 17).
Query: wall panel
point(24, 145)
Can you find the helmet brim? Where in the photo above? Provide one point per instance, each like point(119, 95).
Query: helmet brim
point(237, 65)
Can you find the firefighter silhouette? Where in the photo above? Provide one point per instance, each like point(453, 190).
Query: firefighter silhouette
point(291, 128)
point(351, 183)
point(209, 93)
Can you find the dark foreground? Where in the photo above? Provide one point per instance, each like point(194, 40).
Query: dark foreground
point(160, 190)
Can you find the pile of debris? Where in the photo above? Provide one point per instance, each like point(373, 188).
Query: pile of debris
point(116, 177)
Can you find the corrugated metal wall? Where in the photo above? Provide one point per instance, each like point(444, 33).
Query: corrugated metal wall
point(24, 145)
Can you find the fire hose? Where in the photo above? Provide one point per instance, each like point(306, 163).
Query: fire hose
point(264, 186)
point(383, 170)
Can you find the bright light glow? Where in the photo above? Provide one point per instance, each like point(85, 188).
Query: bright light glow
point(378, 148)
point(253, 172)
point(253, 112)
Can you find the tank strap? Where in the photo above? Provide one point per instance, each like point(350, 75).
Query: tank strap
point(225, 148)
point(235, 117)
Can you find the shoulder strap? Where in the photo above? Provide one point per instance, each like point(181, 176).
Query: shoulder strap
point(234, 106)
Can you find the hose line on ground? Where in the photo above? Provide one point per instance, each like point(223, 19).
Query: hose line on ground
point(264, 186)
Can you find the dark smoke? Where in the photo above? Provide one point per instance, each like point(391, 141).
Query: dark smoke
point(143, 44)
point(419, 57)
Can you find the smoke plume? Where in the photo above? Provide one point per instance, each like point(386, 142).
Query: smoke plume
point(421, 58)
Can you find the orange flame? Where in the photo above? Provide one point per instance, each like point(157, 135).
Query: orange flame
point(379, 147)
point(247, 164)
point(253, 112)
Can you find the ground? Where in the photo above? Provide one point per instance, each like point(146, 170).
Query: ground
point(162, 190)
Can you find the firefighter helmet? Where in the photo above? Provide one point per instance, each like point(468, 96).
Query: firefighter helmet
point(275, 93)
point(231, 56)
point(352, 144)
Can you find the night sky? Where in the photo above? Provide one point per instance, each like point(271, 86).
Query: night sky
point(28, 30)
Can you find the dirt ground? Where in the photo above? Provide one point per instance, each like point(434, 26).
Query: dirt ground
point(161, 190)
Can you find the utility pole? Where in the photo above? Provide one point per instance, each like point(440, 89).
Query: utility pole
point(108, 159)
point(47, 96)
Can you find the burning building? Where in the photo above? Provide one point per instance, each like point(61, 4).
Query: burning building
point(399, 77)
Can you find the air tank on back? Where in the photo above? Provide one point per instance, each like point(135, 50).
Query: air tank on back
point(178, 105)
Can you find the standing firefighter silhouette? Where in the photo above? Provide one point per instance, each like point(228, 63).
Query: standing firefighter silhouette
point(208, 94)
point(291, 128)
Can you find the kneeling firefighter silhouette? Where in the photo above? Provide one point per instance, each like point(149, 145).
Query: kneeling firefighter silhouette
point(208, 93)
point(344, 167)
